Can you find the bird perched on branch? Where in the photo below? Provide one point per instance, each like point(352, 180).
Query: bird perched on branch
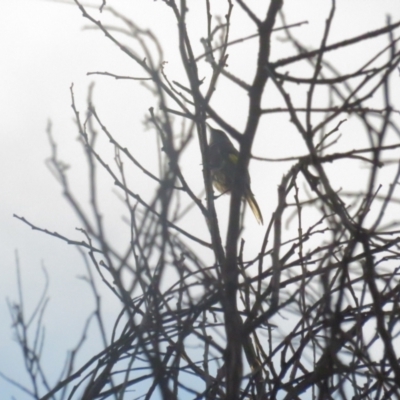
point(223, 159)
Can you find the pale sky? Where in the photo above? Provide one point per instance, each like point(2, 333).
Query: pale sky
point(43, 50)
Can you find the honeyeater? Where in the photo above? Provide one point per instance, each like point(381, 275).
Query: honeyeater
point(223, 159)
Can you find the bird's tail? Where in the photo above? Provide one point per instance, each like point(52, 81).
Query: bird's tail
point(254, 207)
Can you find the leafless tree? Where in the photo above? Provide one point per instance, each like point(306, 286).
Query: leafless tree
point(313, 313)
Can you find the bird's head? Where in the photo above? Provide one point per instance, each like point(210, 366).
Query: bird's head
point(218, 137)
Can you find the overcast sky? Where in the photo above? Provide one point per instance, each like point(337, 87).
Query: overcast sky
point(43, 50)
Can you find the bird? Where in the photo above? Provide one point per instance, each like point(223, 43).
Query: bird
point(223, 158)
